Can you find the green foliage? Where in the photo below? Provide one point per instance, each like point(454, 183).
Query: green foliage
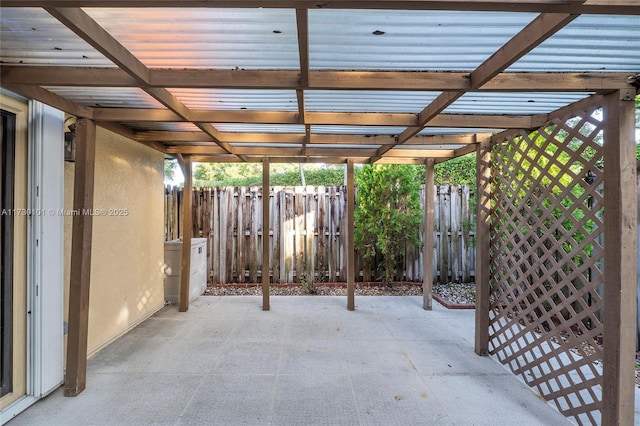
point(170, 167)
point(388, 213)
point(457, 171)
point(250, 174)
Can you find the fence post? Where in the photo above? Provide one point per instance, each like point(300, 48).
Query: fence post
point(265, 234)
point(186, 236)
point(350, 202)
point(429, 200)
point(483, 215)
point(620, 206)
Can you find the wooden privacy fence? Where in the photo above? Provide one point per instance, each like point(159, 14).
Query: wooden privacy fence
point(306, 238)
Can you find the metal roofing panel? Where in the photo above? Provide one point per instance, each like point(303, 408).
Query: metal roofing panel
point(426, 147)
point(107, 97)
point(261, 145)
point(411, 40)
point(455, 131)
point(205, 38)
point(343, 146)
point(367, 100)
point(589, 43)
point(33, 37)
point(259, 128)
point(235, 99)
point(357, 130)
point(521, 103)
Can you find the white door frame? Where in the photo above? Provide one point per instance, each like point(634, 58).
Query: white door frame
point(45, 256)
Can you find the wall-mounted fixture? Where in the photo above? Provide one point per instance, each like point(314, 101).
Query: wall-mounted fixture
point(70, 140)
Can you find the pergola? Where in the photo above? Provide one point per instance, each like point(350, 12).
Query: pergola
point(406, 82)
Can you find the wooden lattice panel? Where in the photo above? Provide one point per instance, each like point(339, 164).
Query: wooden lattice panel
point(546, 261)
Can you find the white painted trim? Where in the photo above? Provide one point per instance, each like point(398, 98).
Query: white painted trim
point(45, 263)
point(45, 250)
point(16, 408)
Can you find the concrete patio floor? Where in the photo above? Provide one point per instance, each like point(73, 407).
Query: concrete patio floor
point(307, 361)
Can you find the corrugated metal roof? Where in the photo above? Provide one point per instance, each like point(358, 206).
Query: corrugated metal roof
point(260, 128)
point(367, 100)
point(590, 43)
point(205, 38)
point(107, 97)
point(33, 37)
point(429, 131)
point(257, 144)
point(342, 146)
point(339, 39)
point(521, 103)
point(235, 99)
point(412, 40)
point(358, 130)
point(411, 147)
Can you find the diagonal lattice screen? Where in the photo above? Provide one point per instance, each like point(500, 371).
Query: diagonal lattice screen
point(546, 260)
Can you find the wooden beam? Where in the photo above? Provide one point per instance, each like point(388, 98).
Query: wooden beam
point(419, 153)
point(483, 215)
point(620, 205)
point(90, 31)
point(173, 137)
point(78, 21)
point(302, 23)
point(81, 242)
point(265, 233)
point(317, 118)
point(136, 115)
point(218, 78)
point(209, 149)
point(563, 6)
point(350, 244)
point(318, 79)
point(401, 160)
point(128, 133)
point(429, 208)
point(294, 138)
point(50, 98)
point(540, 29)
point(185, 273)
point(298, 138)
point(464, 150)
point(254, 116)
point(227, 158)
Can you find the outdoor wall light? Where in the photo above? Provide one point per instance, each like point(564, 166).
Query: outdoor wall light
point(70, 140)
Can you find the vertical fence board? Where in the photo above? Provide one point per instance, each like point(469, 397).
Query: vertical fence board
point(322, 234)
point(299, 231)
point(310, 221)
point(454, 220)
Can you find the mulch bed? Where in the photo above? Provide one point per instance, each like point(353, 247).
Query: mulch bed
point(451, 295)
point(320, 289)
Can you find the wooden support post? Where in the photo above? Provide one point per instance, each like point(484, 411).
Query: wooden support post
point(80, 275)
point(185, 275)
point(351, 203)
point(619, 259)
point(265, 234)
point(427, 264)
point(483, 195)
